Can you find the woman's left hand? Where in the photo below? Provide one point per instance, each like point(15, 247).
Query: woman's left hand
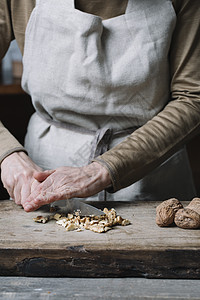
point(66, 183)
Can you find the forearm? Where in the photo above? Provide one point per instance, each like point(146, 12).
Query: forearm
point(152, 144)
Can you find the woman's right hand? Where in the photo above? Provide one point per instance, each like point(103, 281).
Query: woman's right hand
point(17, 171)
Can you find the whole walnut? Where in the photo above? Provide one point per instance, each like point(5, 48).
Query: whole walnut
point(189, 217)
point(165, 212)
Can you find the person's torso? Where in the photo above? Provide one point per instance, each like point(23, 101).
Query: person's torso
point(89, 72)
point(94, 73)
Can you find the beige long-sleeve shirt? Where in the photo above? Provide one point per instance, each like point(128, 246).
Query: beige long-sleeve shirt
point(159, 138)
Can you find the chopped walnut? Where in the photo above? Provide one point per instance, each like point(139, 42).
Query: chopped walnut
point(41, 219)
point(98, 224)
point(125, 222)
point(71, 227)
point(62, 222)
point(99, 228)
point(70, 216)
point(57, 217)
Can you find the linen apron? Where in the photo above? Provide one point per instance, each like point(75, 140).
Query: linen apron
point(95, 81)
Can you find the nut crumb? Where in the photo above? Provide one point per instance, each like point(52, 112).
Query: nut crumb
point(57, 217)
point(41, 219)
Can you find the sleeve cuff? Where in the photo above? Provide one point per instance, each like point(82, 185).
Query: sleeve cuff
point(17, 149)
point(113, 188)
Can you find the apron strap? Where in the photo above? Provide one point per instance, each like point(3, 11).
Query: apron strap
point(100, 142)
point(100, 145)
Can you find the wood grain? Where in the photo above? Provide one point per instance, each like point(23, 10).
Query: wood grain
point(24, 288)
point(141, 249)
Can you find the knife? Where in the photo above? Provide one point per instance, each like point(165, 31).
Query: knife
point(75, 205)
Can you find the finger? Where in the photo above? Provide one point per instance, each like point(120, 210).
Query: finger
point(48, 197)
point(33, 195)
point(41, 176)
point(26, 190)
point(31, 207)
point(44, 193)
point(44, 198)
point(30, 204)
point(35, 184)
point(17, 193)
point(37, 203)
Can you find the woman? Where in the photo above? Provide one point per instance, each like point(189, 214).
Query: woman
point(118, 75)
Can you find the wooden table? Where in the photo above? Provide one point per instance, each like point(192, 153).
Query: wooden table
point(141, 249)
point(31, 288)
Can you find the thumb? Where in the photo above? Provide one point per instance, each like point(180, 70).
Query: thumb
point(41, 176)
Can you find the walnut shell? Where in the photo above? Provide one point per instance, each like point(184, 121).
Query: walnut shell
point(187, 218)
point(165, 212)
point(195, 205)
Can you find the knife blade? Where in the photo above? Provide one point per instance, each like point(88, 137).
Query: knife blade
point(75, 205)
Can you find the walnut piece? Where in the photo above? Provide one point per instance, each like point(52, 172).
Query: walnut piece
point(41, 219)
point(57, 217)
